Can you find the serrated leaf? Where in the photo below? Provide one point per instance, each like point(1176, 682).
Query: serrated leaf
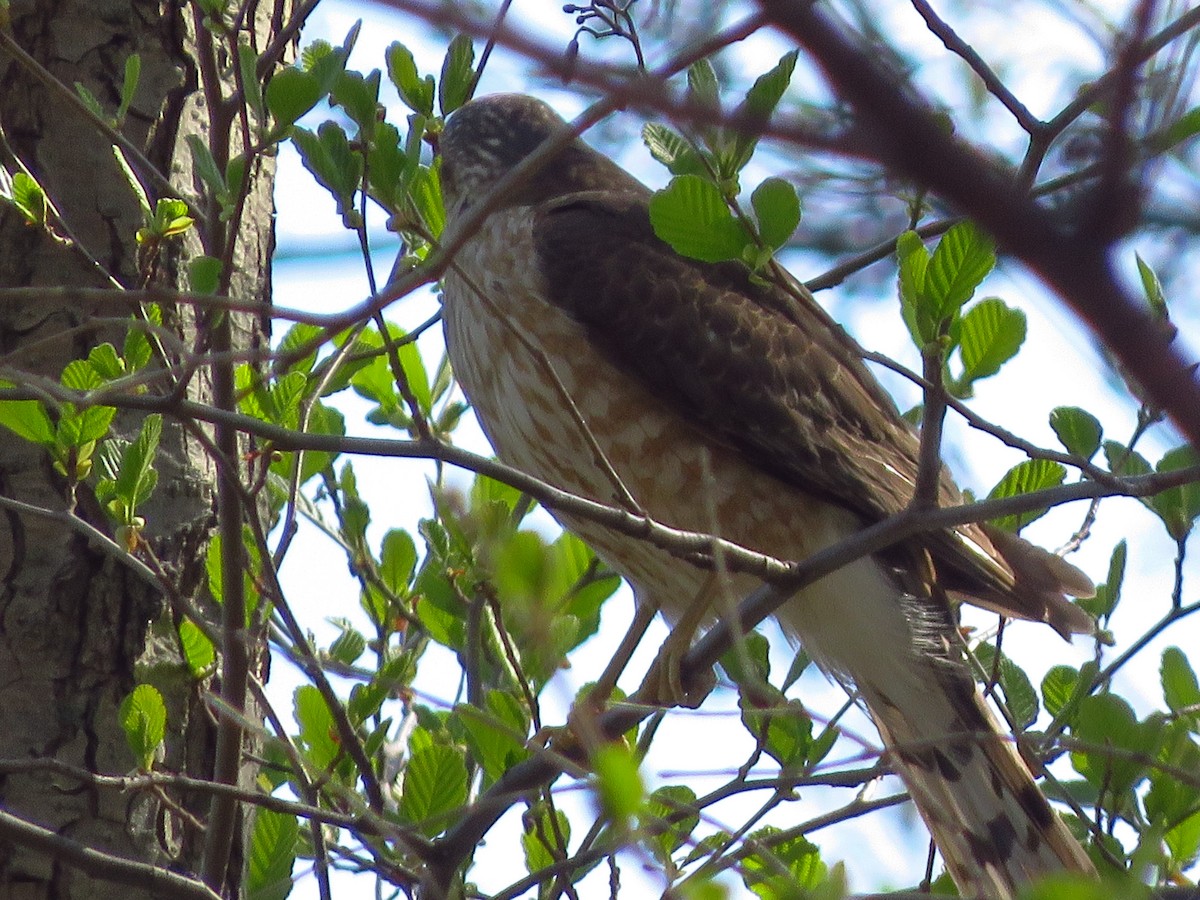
point(457, 74)
point(133, 71)
point(691, 216)
point(762, 98)
point(913, 260)
point(990, 334)
point(777, 208)
point(672, 150)
point(29, 199)
point(1019, 695)
point(317, 731)
point(206, 165)
point(204, 274)
point(358, 95)
point(1179, 686)
point(1025, 478)
point(674, 807)
point(348, 646)
point(426, 193)
point(963, 258)
point(251, 87)
point(1077, 430)
point(198, 651)
point(435, 783)
point(26, 419)
point(784, 870)
point(398, 558)
point(1058, 686)
point(290, 94)
point(702, 83)
point(416, 92)
point(144, 721)
point(496, 736)
point(1178, 507)
point(1108, 594)
point(1106, 720)
point(273, 845)
point(542, 837)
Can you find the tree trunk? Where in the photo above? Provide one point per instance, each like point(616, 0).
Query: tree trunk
point(78, 628)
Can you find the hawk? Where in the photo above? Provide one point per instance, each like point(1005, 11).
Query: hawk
point(602, 362)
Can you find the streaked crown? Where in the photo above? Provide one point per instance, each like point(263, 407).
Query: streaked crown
point(487, 137)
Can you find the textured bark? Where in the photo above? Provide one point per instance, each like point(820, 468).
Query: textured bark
point(77, 629)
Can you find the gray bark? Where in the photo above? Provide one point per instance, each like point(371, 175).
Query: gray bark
point(78, 629)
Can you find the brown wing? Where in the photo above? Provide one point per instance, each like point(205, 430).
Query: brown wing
point(772, 376)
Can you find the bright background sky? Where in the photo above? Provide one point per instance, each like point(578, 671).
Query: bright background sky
point(318, 268)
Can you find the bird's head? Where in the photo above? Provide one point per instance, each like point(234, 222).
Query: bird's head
point(487, 137)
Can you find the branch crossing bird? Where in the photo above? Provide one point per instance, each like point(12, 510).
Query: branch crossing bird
point(602, 362)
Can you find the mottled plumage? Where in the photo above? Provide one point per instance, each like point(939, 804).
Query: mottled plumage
point(600, 361)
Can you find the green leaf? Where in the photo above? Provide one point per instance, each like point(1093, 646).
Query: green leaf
point(541, 838)
point(206, 166)
point(1123, 461)
point(133, 71)
point(1104, 721)
point(1186, 126)
point(435, 784)
point(136, 479)
point(416, 92)
point(702, 83)
point(389, 168)
point(290, 94)
point(1019, 695)
point(337, 167)
point(204, 274)
point(990, 335)
point(1108, 594)
point(27, 419)
point(672, 150)
point(781, 869)
point(1025, 478)
point(1077, 430)
point(358, 95)
point(29, 199)
point(137, 348)
point(1180, 689)
point(318, 735)
point(457, 74)
point(674, 807)
point(619, 787)
point(398, 558)
point(426, 193)
point(104, 360)
point(251, 87)
point(777, 209)
point(691, 216)
point(755, 111)
point(913, 260)
point(495, 736)
point(273, 845)
point(198, 651)
point(88, 98)
point(144, 720)
point(1178, 507)
point(1152, 288)
point(963, 258)
point(348, 646)
point(1058, 687)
